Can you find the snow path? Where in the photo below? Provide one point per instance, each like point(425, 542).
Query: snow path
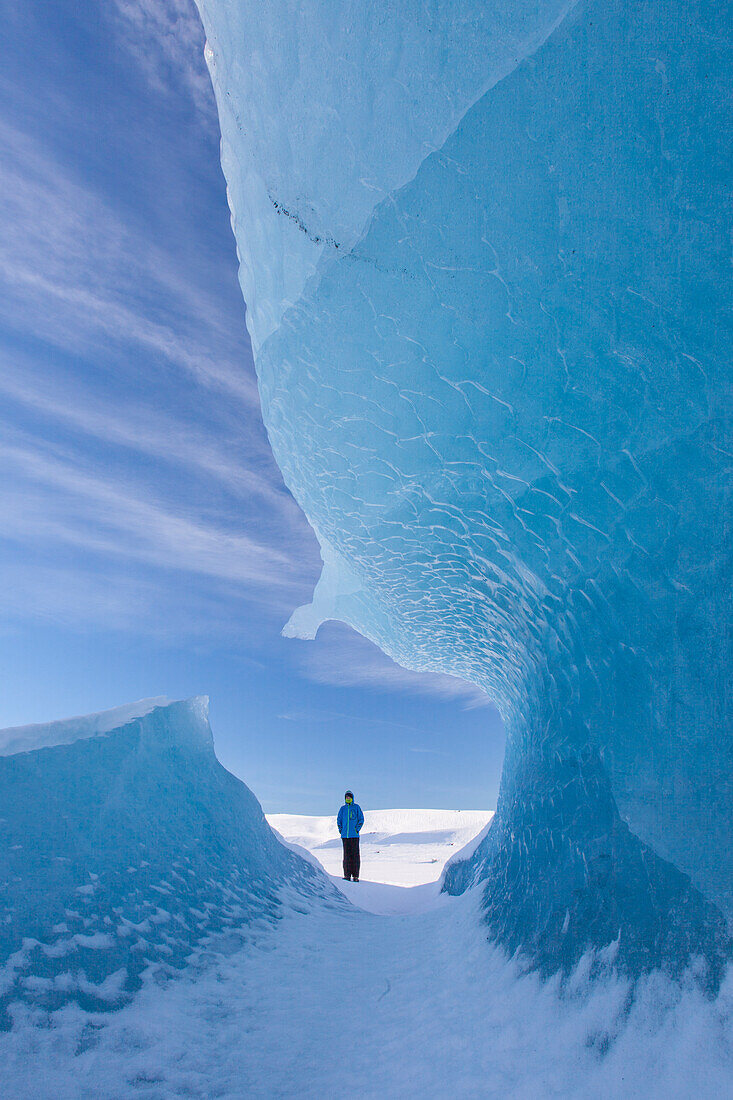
point(335, 999)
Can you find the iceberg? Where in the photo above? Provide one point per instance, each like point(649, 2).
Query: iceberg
point(485, 256)
point(127, 850)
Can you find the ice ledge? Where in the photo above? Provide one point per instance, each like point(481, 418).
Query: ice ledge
point(18, 739)
point(336, 587)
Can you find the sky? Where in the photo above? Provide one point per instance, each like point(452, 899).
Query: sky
point(148, 545)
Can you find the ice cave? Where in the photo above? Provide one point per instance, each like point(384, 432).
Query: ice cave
point(484, 254)
point(484, 249)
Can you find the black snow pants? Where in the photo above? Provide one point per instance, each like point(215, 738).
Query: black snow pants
point(352, 858)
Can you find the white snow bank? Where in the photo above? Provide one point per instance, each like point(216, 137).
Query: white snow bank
point(45, 735)
point(432, 1010)
point(400, 847)
point(468, 848)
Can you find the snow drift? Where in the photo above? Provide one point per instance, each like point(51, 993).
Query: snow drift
point(126, 846)
point(486, 257)
point(434, 1007)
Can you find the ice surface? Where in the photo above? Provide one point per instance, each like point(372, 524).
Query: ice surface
point(46, 734)
point(486, 261)
point(432, 1007)
point(308, 188)
point(125, 847)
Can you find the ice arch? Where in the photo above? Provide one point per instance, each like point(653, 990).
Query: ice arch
point(492, 338)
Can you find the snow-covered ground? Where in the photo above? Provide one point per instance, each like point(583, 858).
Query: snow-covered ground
point(403, 852)
point(331, 999)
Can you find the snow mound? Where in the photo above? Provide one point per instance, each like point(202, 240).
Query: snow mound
point(124, 849)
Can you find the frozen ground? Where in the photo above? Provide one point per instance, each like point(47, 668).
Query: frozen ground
point(334, 999)
point(403, 852)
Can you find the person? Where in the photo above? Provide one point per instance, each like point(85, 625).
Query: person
point(350, 820)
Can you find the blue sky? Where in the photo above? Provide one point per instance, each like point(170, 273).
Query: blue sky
point(148, 545)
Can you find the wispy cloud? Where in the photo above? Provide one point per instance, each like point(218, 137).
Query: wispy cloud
point(129, 411)
point(318, 714)
point(234, 464)
point(341, 657)
point(113, 598)
point(166, 39)
point(429, 752)
point(45, 497)
point(86, 280)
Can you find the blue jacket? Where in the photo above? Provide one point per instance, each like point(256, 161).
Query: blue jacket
point(350, 820)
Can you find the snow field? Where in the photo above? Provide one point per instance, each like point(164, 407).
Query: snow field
point(331, 998)
point(398, 847)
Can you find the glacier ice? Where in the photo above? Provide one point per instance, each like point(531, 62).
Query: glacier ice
point(125, 848)
point(485, 253)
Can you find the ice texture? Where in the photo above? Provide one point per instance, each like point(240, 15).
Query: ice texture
point(46, 735)
point(128, 849)
point(485, 252)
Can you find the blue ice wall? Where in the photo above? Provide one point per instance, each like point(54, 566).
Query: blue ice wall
point(124, 850)
point(488, 261)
